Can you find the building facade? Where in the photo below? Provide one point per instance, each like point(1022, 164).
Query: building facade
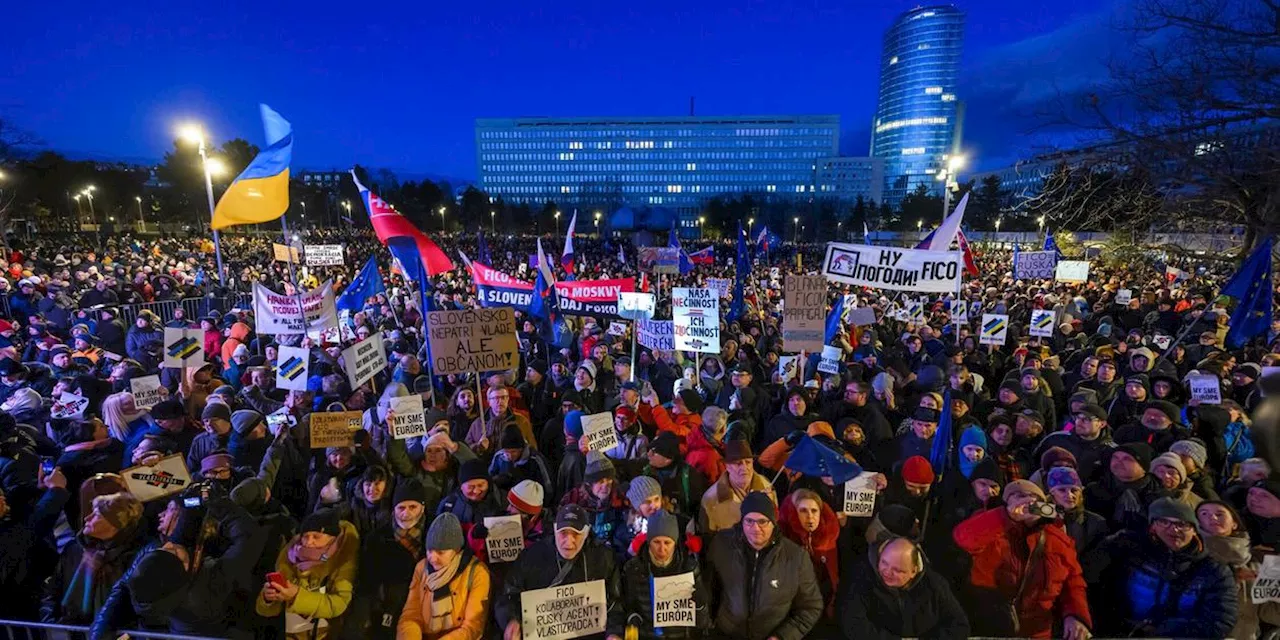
point(917, 124)
point(326, 180)
point(845, 179)
point(677, 163)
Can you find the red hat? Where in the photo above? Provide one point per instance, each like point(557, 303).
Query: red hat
point(917, 470)
point(627, 413)
point(5, 325)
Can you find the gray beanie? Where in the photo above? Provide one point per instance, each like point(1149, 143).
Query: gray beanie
point(244, 420)
point(599, 467)
point(642, 488)
point(662, 525)
point(1193, 449)
point(1170, 508)
point(445, 533)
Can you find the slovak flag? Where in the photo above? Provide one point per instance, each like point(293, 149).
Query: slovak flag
point(766, 239)
point(390, 225)
point(970, 265)
point(566, 258)
point(704, 256)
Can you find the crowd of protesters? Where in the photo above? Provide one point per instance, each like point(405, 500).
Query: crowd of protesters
point(1084, 490)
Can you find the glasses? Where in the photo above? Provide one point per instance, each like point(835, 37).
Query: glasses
point(758, 523)
point(1175, 525)
point(500, 396)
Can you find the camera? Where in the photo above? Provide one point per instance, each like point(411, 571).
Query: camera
point(1046, 510)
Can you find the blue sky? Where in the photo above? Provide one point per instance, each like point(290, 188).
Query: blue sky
point(399, 84)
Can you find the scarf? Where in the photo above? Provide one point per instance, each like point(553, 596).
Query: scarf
point(411, 538)
point(441, 596)
point(102, 563)
point(307, 558)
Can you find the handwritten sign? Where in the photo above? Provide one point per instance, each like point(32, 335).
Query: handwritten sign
point(696, 314)
point(673, 602)
point(656, 334)
point(166, 477)
point(472, 341)
point(566, 611)
point(598, 429)
point(363, 360)
point(284, 252)
point(324, 255)
point(860, 495)
point(506, 538)
point(804, 312)
point(147, 391)
point(1205, 387)
point(335, 429)
point(1072, 271)
point(409, 419)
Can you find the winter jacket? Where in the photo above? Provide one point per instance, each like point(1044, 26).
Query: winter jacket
point(541, 564)
point(683, 425)
point(324, 592)
point(86, 572)
point(27, 557)
point(1159, 441)
point(239, 333)
point(470, 596)
point(606, 517)
point(1000, 550)
point(703, 455)
point(1152, 590)
point(784, 423)
point(682, 487)
point(762, 594)
point(530, 466)
point(637, 577)
point(820, 545)
point(136, 342)
point(1123, 504)
point(386, 569)
point(923, 608)
point(490, 428)
point(721, 503)
point(437, 483)
point(1087, 529)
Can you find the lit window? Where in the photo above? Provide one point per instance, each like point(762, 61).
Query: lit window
point(912, 151)
point(893, 60)
point(932, 91)
point(909, 122)
point(922, 47)
point(564, 188)
point(692, 166)
point(771, 188)
point(948, 97)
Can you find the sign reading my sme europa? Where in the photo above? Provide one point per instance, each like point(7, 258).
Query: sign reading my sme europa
point(892, 268)
point(474, 340)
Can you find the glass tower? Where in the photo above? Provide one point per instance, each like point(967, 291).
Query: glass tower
point(916, 115)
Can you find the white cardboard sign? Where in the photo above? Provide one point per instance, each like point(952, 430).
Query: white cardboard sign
point(409, 419)
point(1205, 388)
point(506, 538)
point(1041, 323)
point(696, 319)
point(164, 478)
point(598, 429)
point(146, 391)
point(673, 602)
point(995, 329)
point(860, 495)
point(567, 611)
point(293, 368)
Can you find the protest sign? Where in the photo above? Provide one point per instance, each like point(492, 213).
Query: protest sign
point(592, 297)
point(893, 268)
point(959, 311)
point(673, 602)
point(506, 538)
point(497, 289)
point(618, 329)
point(598, 429)
point(1266, 587)
point(788, 368)
point(409, 420)
point(696, 317)
point(292, 368)
point(363, 360)
point(830, 361)
point(1123, 297)
point(995, 329)
point(166, 477)
point(324, 255)
point(659, 259)
point(860, 495)
point(656, 334)
point(1205, 387)
point(278, 314)
point(1034, 265)
point(1072, 271)
point(721, 285)
point(915, 311)
point(69, 406)
point(183, 348)
point(861, 316)
point(804, 313)
point(334, 429)
point(635, 306)
point(146, 391)
point(1041, 323)
point(567, 611)
point(473, 340)
point(283, 252)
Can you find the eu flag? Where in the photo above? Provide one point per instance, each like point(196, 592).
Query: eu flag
point(686, 265)
point(742, 270)
point(365, 285)
point(938, 457)
point(1051, 245)
point(1251, 287)
point(815, 459)
point(482, 249)
point(834, 319)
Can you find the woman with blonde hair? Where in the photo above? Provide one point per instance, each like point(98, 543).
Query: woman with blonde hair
point(122, 415)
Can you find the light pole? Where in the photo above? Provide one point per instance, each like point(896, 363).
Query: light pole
point(838, 225)
point(441, 218)
point(1041, 224)
point(79, 209)
point(493, 229)
point(597, 224)
point(141, 221)
point(88, 193)
point(557, 217)
point(750, 221)
point(919, 227)
point(998, 221)
point(195, 134)
point(347, 205)
point(948, 177)
point(795, 230)
point(701, 220)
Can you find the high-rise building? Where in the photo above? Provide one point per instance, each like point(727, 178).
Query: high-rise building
point(673, 162)
point(916, 125)
point(845, 179)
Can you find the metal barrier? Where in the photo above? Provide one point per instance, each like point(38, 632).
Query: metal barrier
point(23, 630)
point(163, 309)
point(192, 308)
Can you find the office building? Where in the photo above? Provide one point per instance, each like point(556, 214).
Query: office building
point(677, 163)
point(916, 125)
point(843, 180)
point(326, 180)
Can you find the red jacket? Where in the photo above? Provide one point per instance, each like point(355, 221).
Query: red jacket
point(702, 455)
point(820, 545)
point(1056, 588)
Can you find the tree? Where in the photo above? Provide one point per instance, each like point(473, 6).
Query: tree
point(475, 206)
point(1089, 197)
point(986, 204)
point(919, 207)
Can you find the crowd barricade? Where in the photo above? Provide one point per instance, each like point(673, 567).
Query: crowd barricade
point(164, 309)
point(24, 630)
point(192, 308)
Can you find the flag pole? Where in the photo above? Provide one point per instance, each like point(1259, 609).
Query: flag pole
point(293, 274)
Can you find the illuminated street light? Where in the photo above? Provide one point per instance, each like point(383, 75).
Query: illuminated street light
point(194, 134)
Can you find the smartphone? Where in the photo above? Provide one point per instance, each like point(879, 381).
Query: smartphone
point(46, 464)
point(277, 578)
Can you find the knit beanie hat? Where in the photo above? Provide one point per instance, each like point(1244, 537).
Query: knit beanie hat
point(1169, 409)
point(156, 575)
point(925, 414)
point(692, 401)
point(667, 445)
point(526, 497)
point(899, 519)
point(168, 410)
point(445, 533)
point(642, 488)
point(409, 490)
point(511, 438)
point(321, 521)
point(573, 423)
point(1170, 508)
point(214, 461)
point(1193, 449)
point(1171, 460)
point(986, 469)
point(599, 467)
point(973, 436)
point(590, 367)
point(1140, 451)
point(662, 525)
point(1026, 487)
point(1063, 477)
point(1054, 456)
point(473, 469)
point(216, 410)
point(759, 502)
point(226, 391)
point(244, 420)
point(917, 470)
point(122, 510)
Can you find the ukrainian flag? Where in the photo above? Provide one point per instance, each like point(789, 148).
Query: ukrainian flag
point(261, 192)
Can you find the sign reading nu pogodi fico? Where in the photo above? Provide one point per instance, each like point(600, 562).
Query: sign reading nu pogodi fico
point(893, 268)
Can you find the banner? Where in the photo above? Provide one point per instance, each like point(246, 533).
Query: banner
point(1205, 387)
point(673, 602)
point(567, 611)
point(1034, 265)
point(166, 477)
point(860, 495)
point(277, 314)
point(1041, 323)
point(283, 252)
point(506, 538)
point(183, 348)
point(995, 329)
point(598, 430)
point(636, 306)
point(69, 406)
point(473, 341)
point(363, 360)
point(659, 259)
point(324, 255)
point(893, 268)
point(334, 429)
point(592, 297)
point(696, 317)
point(830, 360)
point(1072, 271)
point(497, 289)
point(146, 391)
point(408, 417)
point(292, 368)
point(656, 334)
point(804, 313)
point(721, 285)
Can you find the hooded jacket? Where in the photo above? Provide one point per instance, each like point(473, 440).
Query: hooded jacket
point(820, 545)
point(239, 332)
point(923, 608)
point(703, 455)
point(637, 580)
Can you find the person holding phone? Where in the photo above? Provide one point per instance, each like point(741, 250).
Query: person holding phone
point(319, 568)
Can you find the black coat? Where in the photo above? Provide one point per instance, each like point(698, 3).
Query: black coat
point(638, 594)
point(759, 594)
point(26, 556)
point(924, 608)
point(541, 563)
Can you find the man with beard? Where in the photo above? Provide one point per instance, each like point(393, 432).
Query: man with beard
point(1125, 489)
point(1089, 441)
point(855, 404)
point(1158, 428)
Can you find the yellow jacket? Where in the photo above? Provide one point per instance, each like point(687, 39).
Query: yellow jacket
point(335, 576)
point(470, 592)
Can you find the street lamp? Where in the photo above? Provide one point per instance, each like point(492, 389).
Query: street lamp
point(701, 220)
point(1042, 224)
point(88, 193)
point(750, 221)
point(140, 219)
point(795, 230)
point(998, 221)
point(948, 177)
point(441, 218)
point(557, 217)
point(597, 224)
point(838, 225)
point(79, 209)
point(304, 209)
point(919, 226)
point(492, 228)
point(347, 205)
point(194, 133)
